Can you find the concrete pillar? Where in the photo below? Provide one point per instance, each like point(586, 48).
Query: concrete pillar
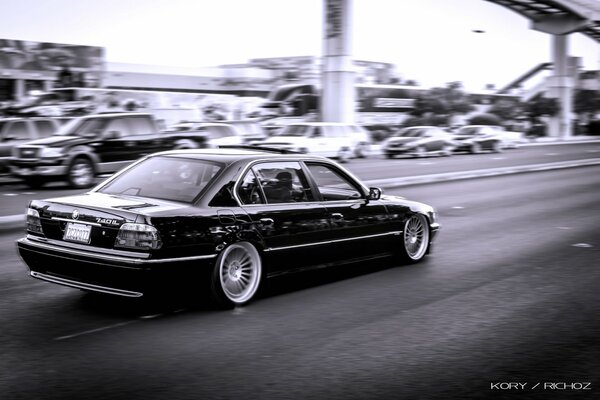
point(47, 85)
point(560, 87)
point(560, 84)
point(19, 89)
point(338, 92)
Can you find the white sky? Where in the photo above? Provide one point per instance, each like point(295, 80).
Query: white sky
point(430, 41)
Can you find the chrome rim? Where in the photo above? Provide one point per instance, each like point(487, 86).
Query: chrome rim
point(239, 272)
point(81, 173)
point(420, 152)
point(343, 155)
point(416, 237)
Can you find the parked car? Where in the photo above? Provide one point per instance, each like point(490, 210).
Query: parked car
point(510, 139)
point(418, 141)
point(328, 139)
point(251, 130)
point(15, 131)
point(217, 134)
point(92, 145)
point(218, 221)
point(477, 138)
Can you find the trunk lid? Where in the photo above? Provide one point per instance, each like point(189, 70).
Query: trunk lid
point(95, 218)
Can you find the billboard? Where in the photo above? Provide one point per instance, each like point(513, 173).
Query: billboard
point(44, 57)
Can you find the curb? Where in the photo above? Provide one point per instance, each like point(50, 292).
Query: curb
point(391, 183)
point(11, 222)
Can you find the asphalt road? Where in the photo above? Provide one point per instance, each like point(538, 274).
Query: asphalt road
point(508, 296)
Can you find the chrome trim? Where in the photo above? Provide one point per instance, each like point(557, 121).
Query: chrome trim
point(334, 241)
point(137, 261)
point(76, 221)
point(85, 286)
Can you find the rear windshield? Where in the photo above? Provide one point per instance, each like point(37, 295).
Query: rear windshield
point(167, 178)
point(293, 130)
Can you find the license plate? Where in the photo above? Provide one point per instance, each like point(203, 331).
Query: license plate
point(77, 232)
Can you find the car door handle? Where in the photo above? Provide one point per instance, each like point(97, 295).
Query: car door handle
point(266, 221)
point(337, 216)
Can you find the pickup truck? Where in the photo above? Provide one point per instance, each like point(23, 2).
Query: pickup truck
point(92, 145)
point(16, 131)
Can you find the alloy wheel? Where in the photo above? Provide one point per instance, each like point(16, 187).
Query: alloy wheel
point(416, 237)
point(239, 272)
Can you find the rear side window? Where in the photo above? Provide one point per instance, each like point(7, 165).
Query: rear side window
point(140, 126)
point(276, 182)
point(294, 130)
point(44, 128)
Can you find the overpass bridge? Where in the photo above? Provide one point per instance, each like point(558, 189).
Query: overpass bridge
point(558, 18)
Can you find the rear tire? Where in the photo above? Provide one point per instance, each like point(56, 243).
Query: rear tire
point(475, 148)
point(236, 275)
point(80, 173)
point(344, 155)
point(420, 152)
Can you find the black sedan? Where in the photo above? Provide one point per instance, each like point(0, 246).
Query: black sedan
point(218, 222)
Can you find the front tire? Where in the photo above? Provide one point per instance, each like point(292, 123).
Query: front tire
point(415, 238)
point(236, 275)
point(81, 173)
point(420, 152)
point(344, 155)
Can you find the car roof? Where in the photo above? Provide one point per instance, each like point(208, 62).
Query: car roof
point(114, 114)
point(230, 155)
point(322, 123)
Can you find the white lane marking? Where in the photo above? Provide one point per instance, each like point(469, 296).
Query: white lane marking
point(584, 245)
point(458, 207)
point(425, 163)
point(552, 154)
point(592, 151)
point(151, 316)
point(564, 227)
point(498, 158)
point(103, 328)
point(29, 193)
point(10, 194)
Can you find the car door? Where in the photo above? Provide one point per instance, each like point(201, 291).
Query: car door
point(434, 139)
point(294, 227)
point(360, 228)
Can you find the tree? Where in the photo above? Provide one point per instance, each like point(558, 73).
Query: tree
point(541, 107)
point(587, 102)
point(443, 102)
point(507, 109)
point(485, 119)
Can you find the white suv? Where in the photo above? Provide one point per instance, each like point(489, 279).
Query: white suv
point(328, 139)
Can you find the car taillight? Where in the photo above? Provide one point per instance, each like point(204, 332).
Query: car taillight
point(138, 236)
point(34, 224)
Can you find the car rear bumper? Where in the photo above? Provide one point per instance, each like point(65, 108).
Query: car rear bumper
point(121, 275)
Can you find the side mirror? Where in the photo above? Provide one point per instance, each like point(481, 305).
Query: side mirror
point(374, 193)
